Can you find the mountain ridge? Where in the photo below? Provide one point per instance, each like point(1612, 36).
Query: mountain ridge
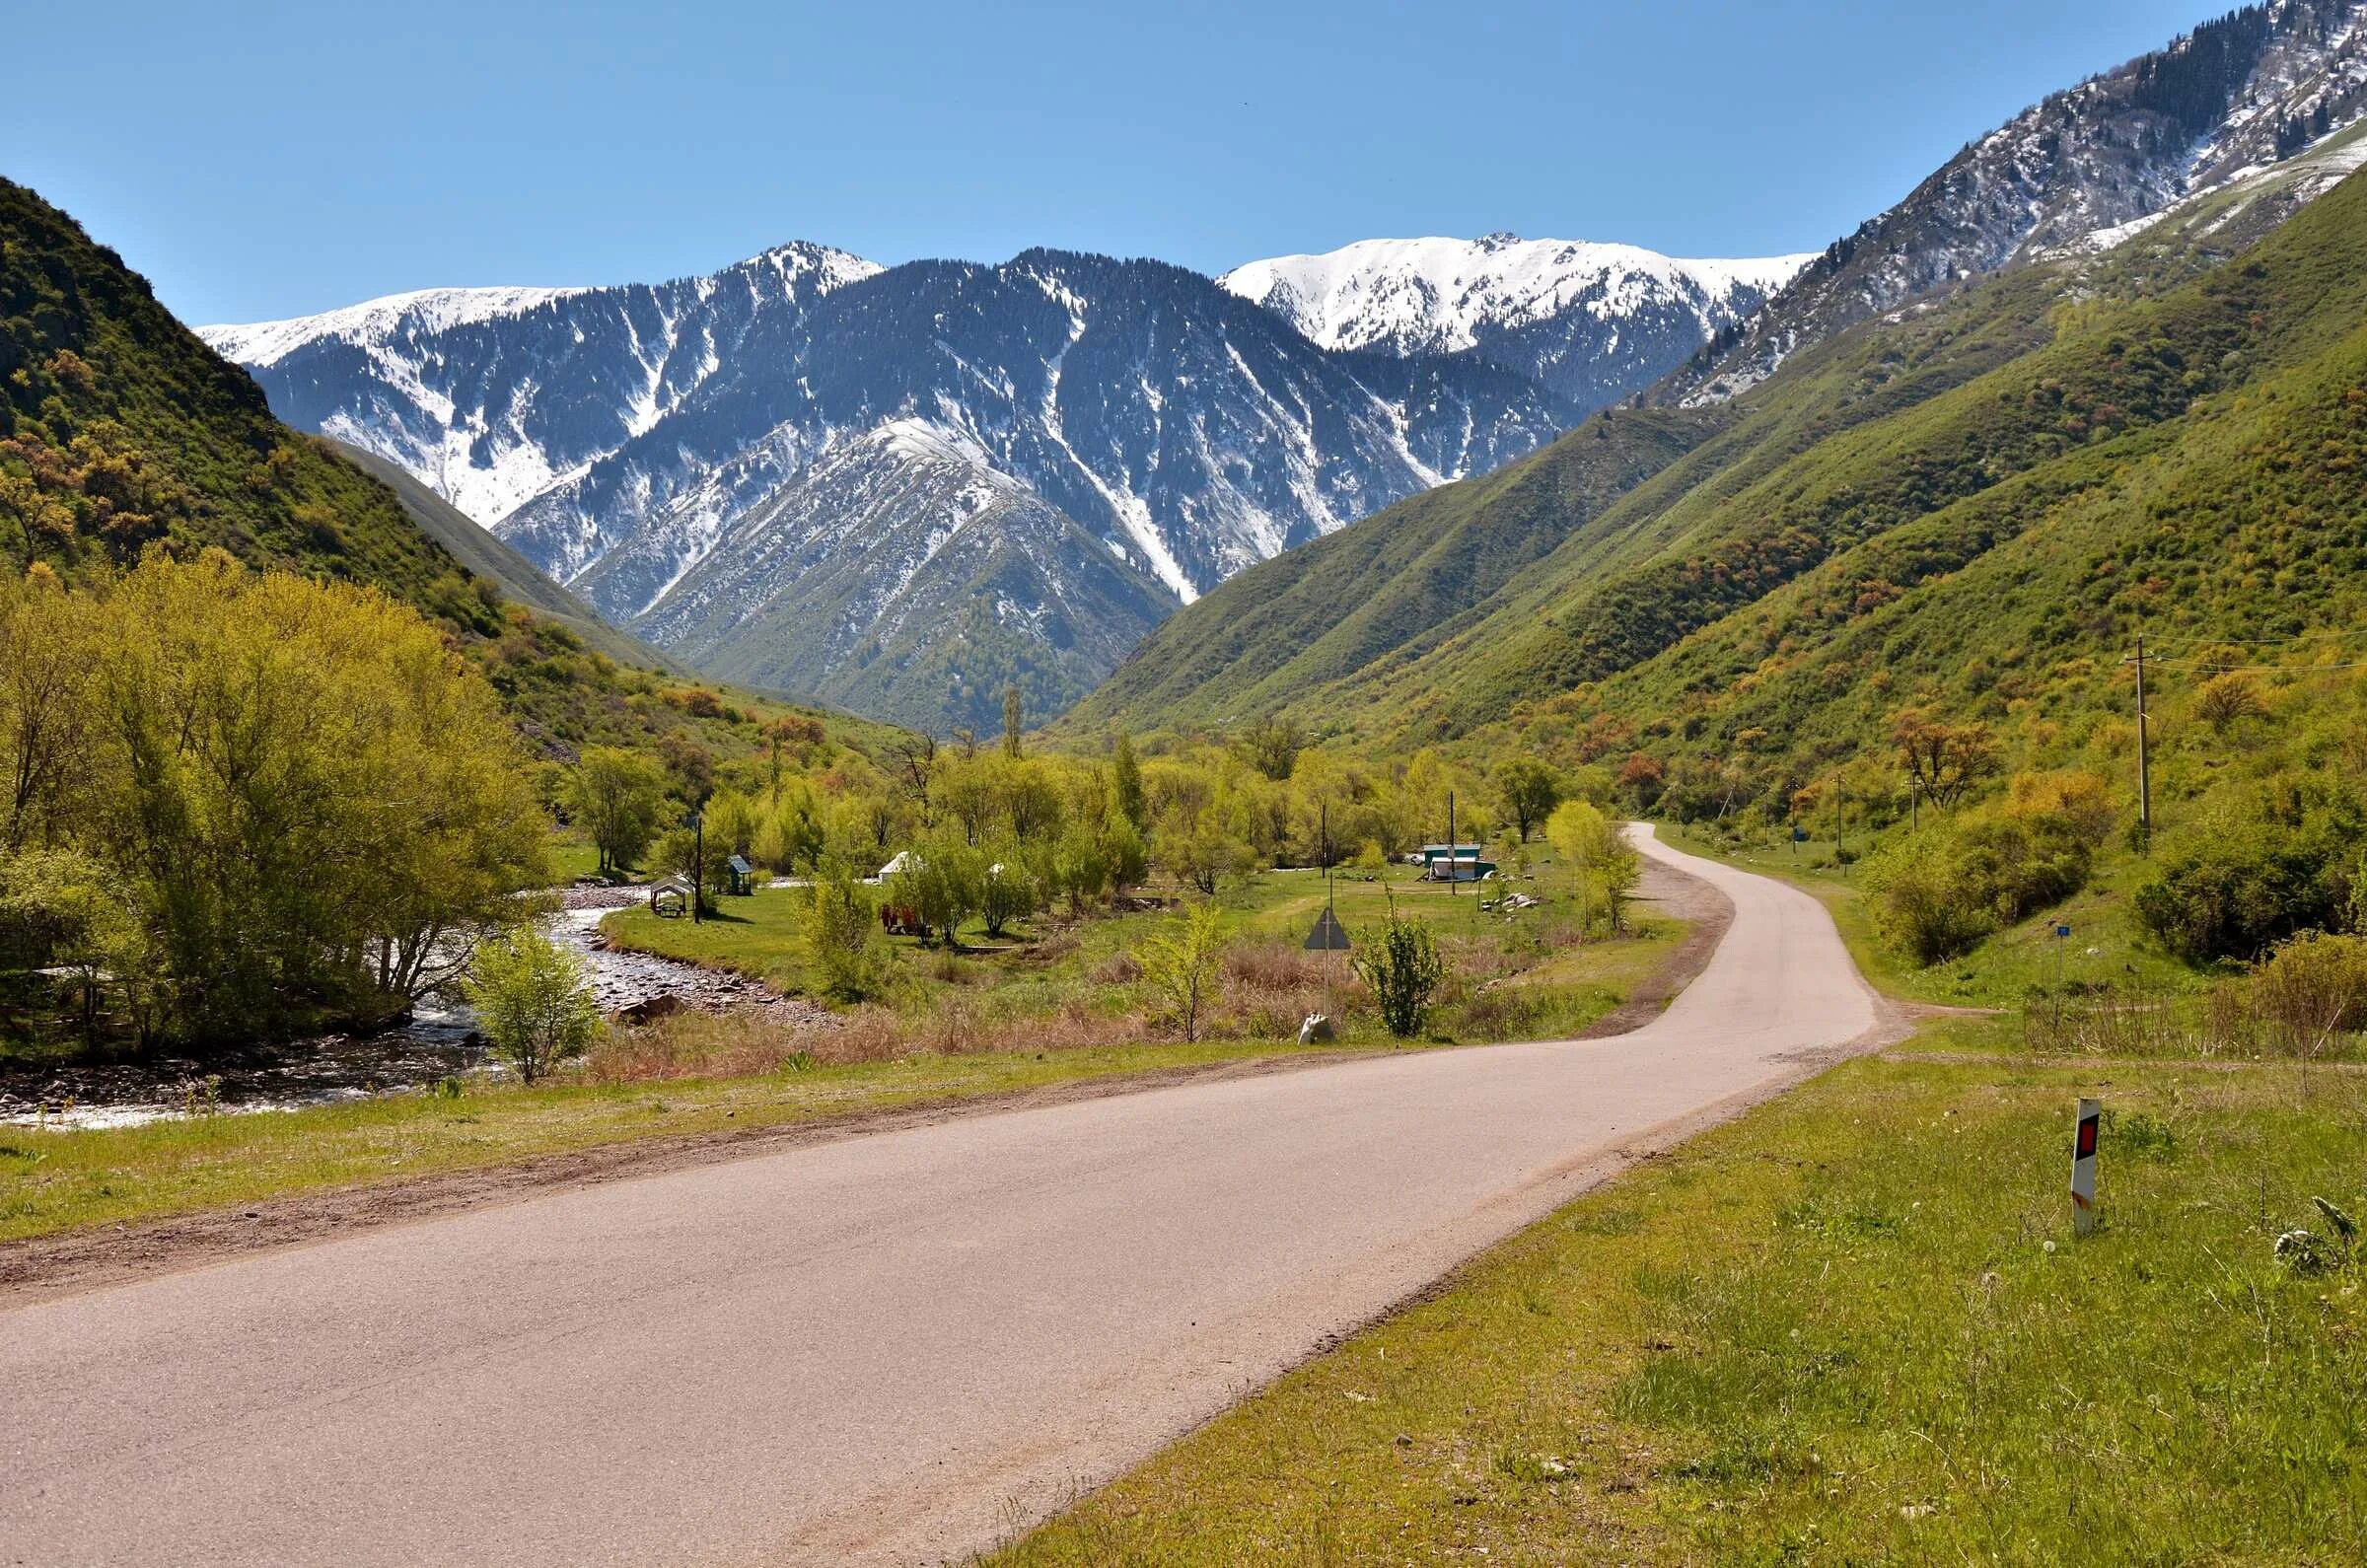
point(1593, 322)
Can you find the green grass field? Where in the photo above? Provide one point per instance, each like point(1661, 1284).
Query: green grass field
point(1524, 978)
point(1852, 1327)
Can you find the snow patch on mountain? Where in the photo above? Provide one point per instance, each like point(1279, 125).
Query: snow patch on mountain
point(376, 321)
point(1442, 294)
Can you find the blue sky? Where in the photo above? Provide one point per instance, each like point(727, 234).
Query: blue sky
point(261, 160)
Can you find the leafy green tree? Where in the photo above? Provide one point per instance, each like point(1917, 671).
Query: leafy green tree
point(1206, 855)
point(680, 854)
point(801, 832)
point(1180, 966)
point(617, 797)
point(59, 911)
point(1125, 784)
point(1272, 745)
point(302, 788)
point(943, 881)
point(1530, 789)
point(1399, 963)
point(1006, 891)
point(1606, 865)
point(47, 710)
point(532, 1001)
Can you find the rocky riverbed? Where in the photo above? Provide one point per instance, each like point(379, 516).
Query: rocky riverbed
point(438, 1042)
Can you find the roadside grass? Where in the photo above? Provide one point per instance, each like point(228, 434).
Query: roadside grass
point(1850, 1326)
point(53, 1180)
point(2004, 970)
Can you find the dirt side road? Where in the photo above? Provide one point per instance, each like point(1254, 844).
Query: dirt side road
point(888, 1348)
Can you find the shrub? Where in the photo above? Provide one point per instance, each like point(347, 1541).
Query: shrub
point(1918, 908)
point(843, 942)
point(532, 1001)
point(1180, 965)
point(2312, 988)
point(1403, 970)
point(1939, 893)
point(2238, 896)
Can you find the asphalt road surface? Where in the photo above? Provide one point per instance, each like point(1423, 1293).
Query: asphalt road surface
point(892, 1348)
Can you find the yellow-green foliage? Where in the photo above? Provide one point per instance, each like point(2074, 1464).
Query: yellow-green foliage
point(297, 788)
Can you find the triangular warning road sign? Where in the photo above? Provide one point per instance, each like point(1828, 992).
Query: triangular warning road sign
point(1328, 936)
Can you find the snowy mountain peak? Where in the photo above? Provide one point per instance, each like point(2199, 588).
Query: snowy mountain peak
point(492, 396)
point(1440, 295)
point(2244, 91)
point(1591, 321)
point(419, 312)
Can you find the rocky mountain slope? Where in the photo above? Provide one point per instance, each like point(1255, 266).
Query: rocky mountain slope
point(2237, 94)
point(904, 576)
point(492, 396)
point(1593, 322)
point(484, 556)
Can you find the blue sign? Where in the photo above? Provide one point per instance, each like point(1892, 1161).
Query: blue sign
point(2062, 931)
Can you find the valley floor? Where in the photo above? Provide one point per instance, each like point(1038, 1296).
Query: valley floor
point(1852, 1327)
point(879, 1348)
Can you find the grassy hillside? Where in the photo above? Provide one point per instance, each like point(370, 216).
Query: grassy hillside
point(1872, 466)
point(485, 555)
point(1398, 582)
point(119, 431)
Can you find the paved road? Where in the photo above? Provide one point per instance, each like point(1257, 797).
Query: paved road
point(886, 1349)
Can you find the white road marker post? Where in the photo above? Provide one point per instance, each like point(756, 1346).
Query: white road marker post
point(2083, 1167)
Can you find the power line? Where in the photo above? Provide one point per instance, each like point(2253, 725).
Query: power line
point(2276, 642)
point(2285, 670)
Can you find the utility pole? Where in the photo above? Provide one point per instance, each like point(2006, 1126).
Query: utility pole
point(1451, 870)
point(2144, 761)
point(1915, 797)
point(698, 865)
point(1837, 794)
point(1324, 816)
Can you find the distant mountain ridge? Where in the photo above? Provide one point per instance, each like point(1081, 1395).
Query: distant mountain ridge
point(492, 396)
point(2243, 92)
point(616, 437)
point(1592, 322)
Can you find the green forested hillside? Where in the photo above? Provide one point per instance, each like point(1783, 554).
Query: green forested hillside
point(119, 431)
point(1831, 507)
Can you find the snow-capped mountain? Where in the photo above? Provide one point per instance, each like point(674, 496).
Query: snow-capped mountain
point(1183, 426)
point(901, 575)
point(615, 437)
point(1594, 322)
point(491, 395)
point(2247, 91)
